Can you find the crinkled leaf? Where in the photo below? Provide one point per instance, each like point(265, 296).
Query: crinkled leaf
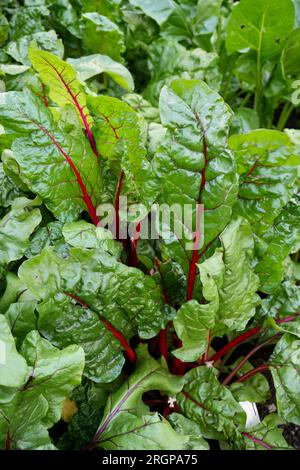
point(13, 367)
point(21, 424)
point(285, 368)
point(60, 77)
point(108, 291)
point(118, 136)
point(16, 227)
point(229, 288)
point(168, 60)
point(190, 428)
point(211, 405)
point(267, 434)
point(53, 373)
point(56, 163)
point(127, 421)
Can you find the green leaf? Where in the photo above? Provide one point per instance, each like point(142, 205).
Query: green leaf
point(269, 433)
point(103, 36)
point(4, 29)
point(261, 25)
point(126, 419)
point(285, 369)
point(8, 190)
point(92, 65)
point(56, 162)
point(285, 301)
point(267, 163)
point(256, 389)
point(187, 427)
point(193, 164)
point(46, 40)
point(211, 405)
point(21, 423)
point(13, 367)
point(118, 135)
point(291, 56)
point(276, 244)
point(51, 235)
point(78, 295)
point(81, 234)
point(159, 10)
point(229, 288)
point(168, 60)
point(53, 374)
point(16, 227)
point(21, 318)
point(60, 77)
point(207, 16)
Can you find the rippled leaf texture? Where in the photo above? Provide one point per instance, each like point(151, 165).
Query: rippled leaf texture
point(81, 234)
point(118, 135)
point(50, 376)
point(21, 425)
point(56, 163)
point(16, 227)
point(168, 60)
point(212, 406)
point(91, 65)
point(269, 433)
point(285, 301)
point(261, 25)
point(268, 164)
point(229, 288)
point(50, 235)
point(103, 36)
point(54, 373)
point(285, 368)
point(103, 290)
point(13, 367)
point(64, 87)
point(276, 244)
point(8, 190)
point(194, 164)
point(127, 421)
point(187, 427)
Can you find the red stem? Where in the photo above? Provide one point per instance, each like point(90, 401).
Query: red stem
point(252, 372)
point(133, 258)
point(78, 107)
point(257, 441)
point(7, 442)
point(86, 197)
point(242, 338)
point(245, 359)
point(128, 350)
point(197, 234)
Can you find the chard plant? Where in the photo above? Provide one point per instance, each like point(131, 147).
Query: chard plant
point(149, 342)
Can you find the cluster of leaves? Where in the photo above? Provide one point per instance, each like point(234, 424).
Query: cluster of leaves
point(148, 344)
